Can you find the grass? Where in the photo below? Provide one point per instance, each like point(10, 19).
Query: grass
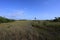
point(23, 30)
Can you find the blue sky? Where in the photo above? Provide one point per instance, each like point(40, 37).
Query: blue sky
point(28, 9)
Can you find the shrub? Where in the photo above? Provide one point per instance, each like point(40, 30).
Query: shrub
point(35, 23)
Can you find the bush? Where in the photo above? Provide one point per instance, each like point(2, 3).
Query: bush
point(35, 23)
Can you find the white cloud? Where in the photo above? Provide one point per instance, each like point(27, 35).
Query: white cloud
point(17, 13)
point(11, 13)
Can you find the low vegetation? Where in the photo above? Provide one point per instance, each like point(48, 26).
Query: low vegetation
point(30, 29)
point(48, 30)
point(5, 20)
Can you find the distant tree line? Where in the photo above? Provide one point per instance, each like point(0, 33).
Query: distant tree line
point(46, 23)
point(57, 19)
point(5, 20)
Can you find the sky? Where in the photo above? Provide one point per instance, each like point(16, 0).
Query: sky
point(29, 9)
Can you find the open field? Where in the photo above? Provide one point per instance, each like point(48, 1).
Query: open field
point(23, 30)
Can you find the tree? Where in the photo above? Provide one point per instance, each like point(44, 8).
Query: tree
point(57, 19)
point(35, 18)
point(5, 20)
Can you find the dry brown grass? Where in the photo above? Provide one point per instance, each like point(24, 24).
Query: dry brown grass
point(22, 30)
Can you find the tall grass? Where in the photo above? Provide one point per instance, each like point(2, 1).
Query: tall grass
point(30, 30)
point(47, 30)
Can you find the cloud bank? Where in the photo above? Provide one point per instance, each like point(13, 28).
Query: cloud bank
point(11, 13)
